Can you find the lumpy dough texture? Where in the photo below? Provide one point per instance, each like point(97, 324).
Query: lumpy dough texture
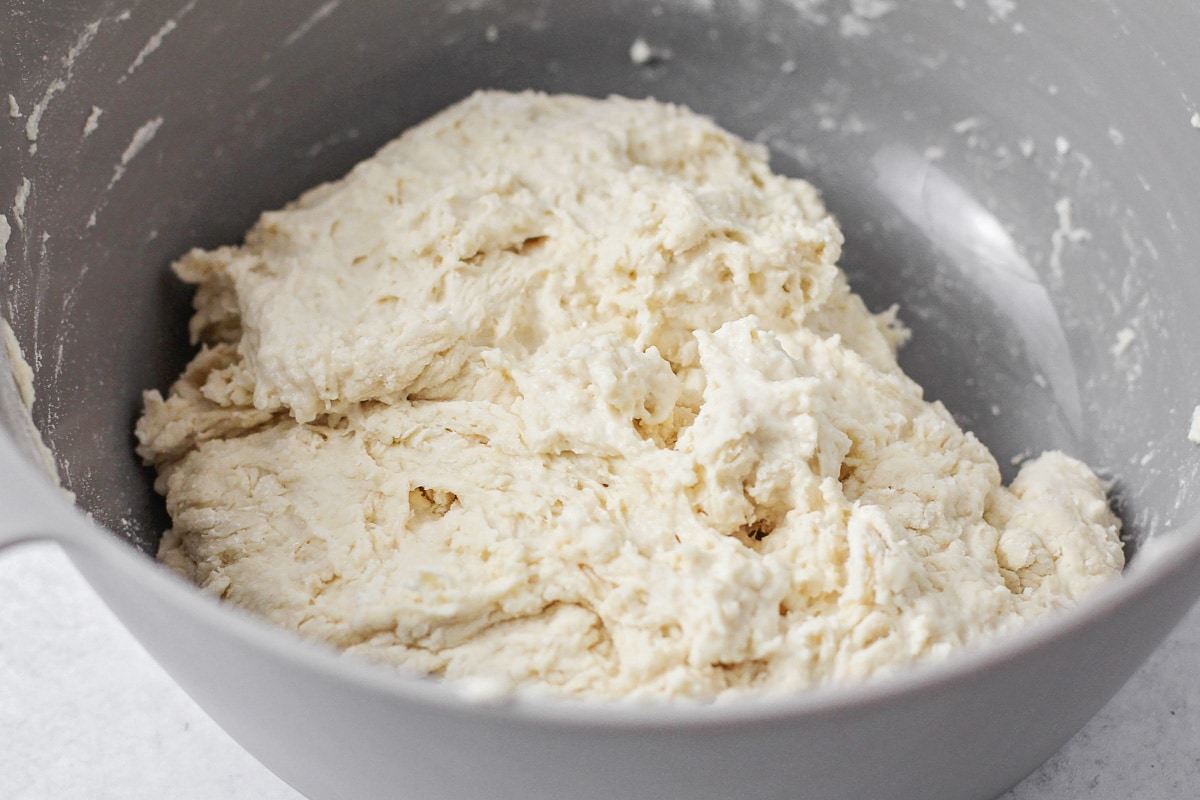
point(571, 394)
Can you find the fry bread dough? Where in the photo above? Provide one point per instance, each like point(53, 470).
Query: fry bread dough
point(571, 394)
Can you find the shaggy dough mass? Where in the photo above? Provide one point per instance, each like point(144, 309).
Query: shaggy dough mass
point(571, 393)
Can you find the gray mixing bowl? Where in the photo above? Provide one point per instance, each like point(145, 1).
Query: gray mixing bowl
point(1022, 178)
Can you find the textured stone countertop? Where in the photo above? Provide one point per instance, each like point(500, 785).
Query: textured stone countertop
point(85, 713)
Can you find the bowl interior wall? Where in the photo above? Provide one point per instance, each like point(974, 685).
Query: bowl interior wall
point(1023, 188)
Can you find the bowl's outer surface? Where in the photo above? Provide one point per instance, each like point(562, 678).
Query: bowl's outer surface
point(1020, 179)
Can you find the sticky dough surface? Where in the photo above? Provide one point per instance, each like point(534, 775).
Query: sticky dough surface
point(571, 394)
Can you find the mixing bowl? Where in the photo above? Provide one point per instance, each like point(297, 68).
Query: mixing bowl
point(1020, 177)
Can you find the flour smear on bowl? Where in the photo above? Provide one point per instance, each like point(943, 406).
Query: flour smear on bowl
point(570, 394)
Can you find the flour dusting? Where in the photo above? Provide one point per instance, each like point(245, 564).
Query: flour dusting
point(141, 138)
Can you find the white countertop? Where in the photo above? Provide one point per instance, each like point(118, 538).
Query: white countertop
point(85, 713)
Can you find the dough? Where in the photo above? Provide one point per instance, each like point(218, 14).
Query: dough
point(571, 394)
